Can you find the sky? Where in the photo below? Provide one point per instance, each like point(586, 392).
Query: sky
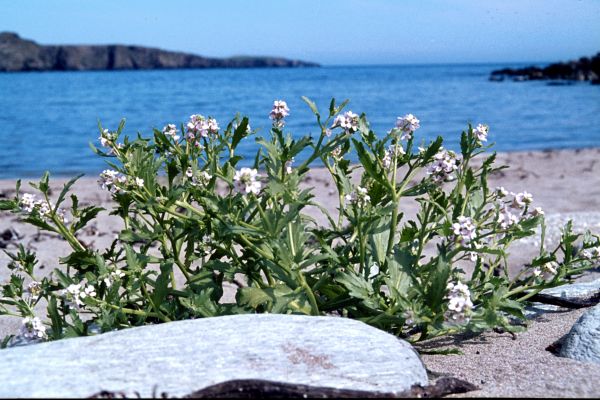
point(331, 32)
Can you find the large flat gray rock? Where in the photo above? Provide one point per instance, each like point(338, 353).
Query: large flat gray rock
point(583, 340)
point(182, 357)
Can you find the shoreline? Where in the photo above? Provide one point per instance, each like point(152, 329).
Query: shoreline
point(501, 155)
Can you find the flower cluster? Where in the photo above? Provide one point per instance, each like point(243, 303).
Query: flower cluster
point(246, 181)
point(201, 127)
point(279, 112)
point(592, 253)
point(407, 125)
point(459, 302)
point(201, 178)
point(107, 138)
point(34, 288)
point(112, 181)
point(348, 122)
point(32, 330)
point(511, 212)
point(549, 268)
point(391, 153)
point(75, 293)
point(112, 277)
point(359, 197)
point(444, 164)
point(481, 132)
point(171, 130)
point(464, 230)
point(29, 203)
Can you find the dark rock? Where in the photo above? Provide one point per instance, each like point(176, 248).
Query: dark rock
point(17, 54)
point(584, 69)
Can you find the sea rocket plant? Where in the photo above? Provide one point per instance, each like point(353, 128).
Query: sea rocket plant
point(198, 219)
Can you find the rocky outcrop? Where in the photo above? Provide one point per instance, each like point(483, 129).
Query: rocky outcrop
point(584, 69)
point(17, 54)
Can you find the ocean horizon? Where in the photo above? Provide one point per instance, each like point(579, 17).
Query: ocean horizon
point(49, 118)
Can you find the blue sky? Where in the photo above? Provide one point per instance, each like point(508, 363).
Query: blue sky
point(326, 31)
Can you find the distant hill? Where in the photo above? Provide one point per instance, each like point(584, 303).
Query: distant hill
point(17, 54)
point(584, 69)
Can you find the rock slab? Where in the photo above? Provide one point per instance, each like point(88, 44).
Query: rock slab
point(582, 343)
point(182, 357)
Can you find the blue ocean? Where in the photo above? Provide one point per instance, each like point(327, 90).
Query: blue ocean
point(47, 119)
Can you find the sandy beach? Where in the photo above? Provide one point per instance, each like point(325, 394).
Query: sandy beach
point(565, 183)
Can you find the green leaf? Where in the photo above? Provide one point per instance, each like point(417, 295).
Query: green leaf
point(253, 297)
point(358, 287)
point(161, 285)
point(57, 325)
point(67, 186)
point(240, 132)
point(312, 105)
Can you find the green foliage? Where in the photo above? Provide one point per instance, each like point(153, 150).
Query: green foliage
point(194, 223)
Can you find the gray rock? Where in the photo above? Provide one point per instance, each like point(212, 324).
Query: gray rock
point(182, 357)
point(582, 343)
point(575, 291)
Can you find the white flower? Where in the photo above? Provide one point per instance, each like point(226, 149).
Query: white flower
point(107, 138)
point(481, 132)
point(459, 302)
point(443, 166)
point(550, 267)
point(75, 293)
point(328, 132)
point(501, 192)
point(33, 288)
point(522, 199)
point(464, 230)
point(112, 277)
point(536, 212)
point(506, 218)
point(28, 202)
point(32, 329)
point(336, 153)
point(288, 165)
point(348, 122)
point(595, 252)
point(245, 181)
point(279, 112)
point(111, 179)
point(171, 130)
point(139, 182)
point(408, 125)
point(358, 197)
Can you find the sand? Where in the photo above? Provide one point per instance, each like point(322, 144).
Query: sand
point(565, 183)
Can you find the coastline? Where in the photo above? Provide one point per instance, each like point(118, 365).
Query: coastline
point(565, 183)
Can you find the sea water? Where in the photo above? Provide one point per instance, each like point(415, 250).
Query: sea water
point(47, 119)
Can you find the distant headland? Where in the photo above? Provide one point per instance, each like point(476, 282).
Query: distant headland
point(584, 69)
point(18, 54)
